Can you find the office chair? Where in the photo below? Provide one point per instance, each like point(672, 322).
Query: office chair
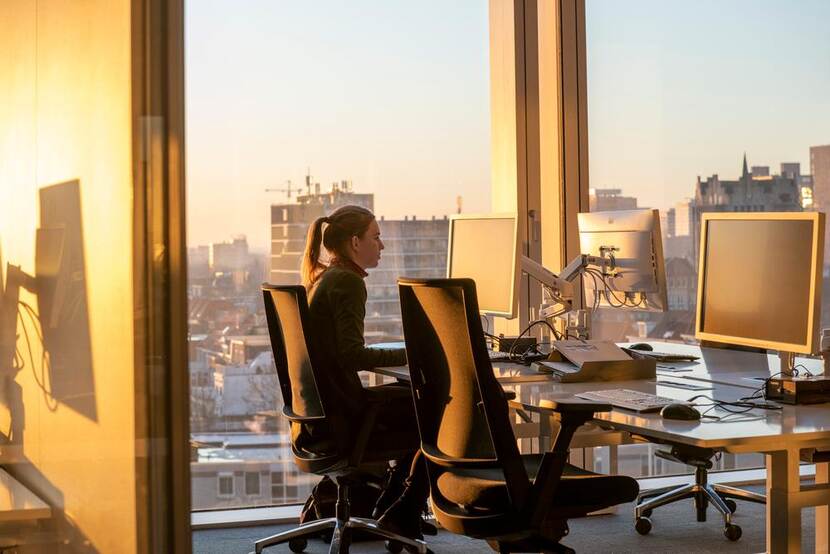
point(481, 486)
point(341, 455)
point(703, 493)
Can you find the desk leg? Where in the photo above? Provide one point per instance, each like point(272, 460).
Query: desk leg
point(783, 512)
point(545, 432)
point(822, 512)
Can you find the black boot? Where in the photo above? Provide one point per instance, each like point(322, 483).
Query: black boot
point(403, 518)
point(393, 487)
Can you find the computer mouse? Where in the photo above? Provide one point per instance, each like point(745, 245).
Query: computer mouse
point(683, 412)
point(642, 346)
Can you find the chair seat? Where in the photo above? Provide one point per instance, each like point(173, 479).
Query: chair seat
point(485, 489)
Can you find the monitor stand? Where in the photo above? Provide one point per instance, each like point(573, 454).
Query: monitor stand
point(787, 360)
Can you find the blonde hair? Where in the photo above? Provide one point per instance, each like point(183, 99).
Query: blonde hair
point(342, 224)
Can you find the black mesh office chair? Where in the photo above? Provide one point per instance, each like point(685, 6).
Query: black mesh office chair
point(481, 486)
point(339, 453)
point(703, 493)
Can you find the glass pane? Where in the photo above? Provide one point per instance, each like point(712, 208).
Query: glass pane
point(693, 108)
point(75, 458)
point(292, 111)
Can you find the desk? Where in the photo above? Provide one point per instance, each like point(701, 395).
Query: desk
point(779, 435)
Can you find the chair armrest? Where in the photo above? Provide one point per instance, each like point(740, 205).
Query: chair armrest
point(571, 413)
point(296, 418)
point(573, 405)
point(439, 458)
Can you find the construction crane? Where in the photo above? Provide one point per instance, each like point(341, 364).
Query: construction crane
point(287, 190)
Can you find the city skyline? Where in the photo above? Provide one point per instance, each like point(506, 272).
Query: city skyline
point(410, 122)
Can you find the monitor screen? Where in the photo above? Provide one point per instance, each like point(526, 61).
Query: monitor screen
point(484, 248)
point(759, 280)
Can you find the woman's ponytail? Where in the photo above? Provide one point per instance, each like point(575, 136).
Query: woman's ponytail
point(311, 266)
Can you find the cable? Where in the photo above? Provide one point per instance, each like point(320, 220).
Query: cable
point(521, 358)
point(50, 401)
point(740, 406)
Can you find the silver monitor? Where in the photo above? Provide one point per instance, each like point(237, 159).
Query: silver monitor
point(485, 249)
point(633, 239)
point(759, 281)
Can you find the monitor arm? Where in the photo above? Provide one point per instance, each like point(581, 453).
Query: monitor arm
point(9, 297)
point(561, 286)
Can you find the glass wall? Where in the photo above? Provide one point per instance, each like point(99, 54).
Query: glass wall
point(80, 456)
point(294, 109)
point(697, 107)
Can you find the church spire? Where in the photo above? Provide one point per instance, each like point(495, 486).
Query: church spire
point(746, 169)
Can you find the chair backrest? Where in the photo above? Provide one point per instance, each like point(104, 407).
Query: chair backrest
point(462, 412)
point(286, 310)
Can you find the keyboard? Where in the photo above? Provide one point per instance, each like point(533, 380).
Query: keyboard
point(640, 402)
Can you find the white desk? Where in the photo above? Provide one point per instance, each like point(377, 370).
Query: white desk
point(780, 435)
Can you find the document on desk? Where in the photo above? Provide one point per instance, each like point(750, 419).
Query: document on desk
point(578, 352)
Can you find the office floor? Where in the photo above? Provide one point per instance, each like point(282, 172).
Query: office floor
point(675, 531)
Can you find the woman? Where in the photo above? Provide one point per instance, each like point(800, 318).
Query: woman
point(337, 305)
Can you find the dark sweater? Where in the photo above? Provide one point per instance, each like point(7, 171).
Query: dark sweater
point(337, 306)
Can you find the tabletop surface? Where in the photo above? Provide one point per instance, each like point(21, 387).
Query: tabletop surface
point(727, 374)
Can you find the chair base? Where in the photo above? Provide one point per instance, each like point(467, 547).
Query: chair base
point(341, 539)
point(703, 494)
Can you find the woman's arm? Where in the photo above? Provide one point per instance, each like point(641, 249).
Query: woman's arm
point(348, 301)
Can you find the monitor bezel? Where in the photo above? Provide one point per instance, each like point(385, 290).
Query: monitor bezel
point(515, 282)
point(810, 343)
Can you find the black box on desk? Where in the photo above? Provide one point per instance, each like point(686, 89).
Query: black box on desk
point(798, 390)
point(523, 344)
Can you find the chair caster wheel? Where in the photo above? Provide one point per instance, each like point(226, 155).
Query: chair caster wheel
point(393, 546)
point(732, 532)
point(297, 545)
point(731, 505)
point(647, 513)
point(643, 525)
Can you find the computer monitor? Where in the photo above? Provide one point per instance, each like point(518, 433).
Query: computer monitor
point(485, 249)
point(759, 280)
point(633, 239)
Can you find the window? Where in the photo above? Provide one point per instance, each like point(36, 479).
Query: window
point(278, 136)
point(225, 485)
point(692, 110)
point(252, 483)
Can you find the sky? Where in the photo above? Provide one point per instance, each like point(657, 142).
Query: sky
point(681, 89)
point(380, 93)
point(395, 99)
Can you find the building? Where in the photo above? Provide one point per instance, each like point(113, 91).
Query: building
point(413, 248)
point(820, 169)
point(232, 470)
point(290, 223)
point(755, 191)
point(229, 256)
point(602, 200)
point(677, 232)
